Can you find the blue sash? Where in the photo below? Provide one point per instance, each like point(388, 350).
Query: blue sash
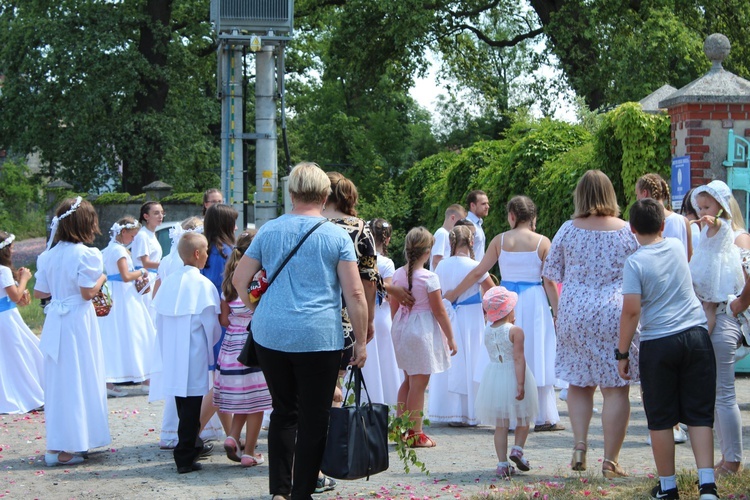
point(519, 286)
point(6, 304)
point(473, 299)
point(114, 277)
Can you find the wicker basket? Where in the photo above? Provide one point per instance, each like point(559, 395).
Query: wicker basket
point(142, 285)
point(102, 302)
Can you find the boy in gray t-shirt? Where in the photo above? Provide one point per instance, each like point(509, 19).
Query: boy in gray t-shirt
point(677, 365)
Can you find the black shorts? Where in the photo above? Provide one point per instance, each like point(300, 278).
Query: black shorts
point(678, 378)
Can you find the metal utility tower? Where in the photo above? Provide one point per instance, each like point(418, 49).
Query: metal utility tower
point(263, 26)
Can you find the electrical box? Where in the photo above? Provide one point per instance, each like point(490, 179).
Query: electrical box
point(253, 16)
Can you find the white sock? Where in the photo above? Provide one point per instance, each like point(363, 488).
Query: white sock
point(503, 464)
point(516, 447)
point(706, 476)
point(668, 482)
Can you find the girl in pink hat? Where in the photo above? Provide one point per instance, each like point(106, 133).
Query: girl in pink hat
point(508, 389)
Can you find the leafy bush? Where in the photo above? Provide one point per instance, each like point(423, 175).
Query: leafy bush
point(20, 202)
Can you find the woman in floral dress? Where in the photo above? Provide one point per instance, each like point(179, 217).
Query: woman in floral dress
point(587, 255)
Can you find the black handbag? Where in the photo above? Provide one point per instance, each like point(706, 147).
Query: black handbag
point(357, 444)
point(248, 355)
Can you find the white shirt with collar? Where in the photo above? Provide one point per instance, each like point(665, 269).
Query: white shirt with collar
point(479, 238)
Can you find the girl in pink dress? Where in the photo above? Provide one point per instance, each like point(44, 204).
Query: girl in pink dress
point(238, 389)
point(422, 336)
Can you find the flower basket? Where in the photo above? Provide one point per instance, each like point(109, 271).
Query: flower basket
point(142, 285)
point(102, 302)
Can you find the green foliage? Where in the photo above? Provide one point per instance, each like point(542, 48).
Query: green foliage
point(186, 198)
point(552, 188)
point(20, 202)
point(398, 433)
point(118, 199)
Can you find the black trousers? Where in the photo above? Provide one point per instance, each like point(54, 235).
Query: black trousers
point(189, 445)
point(301, 386)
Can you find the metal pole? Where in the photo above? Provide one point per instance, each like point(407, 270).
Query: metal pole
point(266, 161)
point(232, 175)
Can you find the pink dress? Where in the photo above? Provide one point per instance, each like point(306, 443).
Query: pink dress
point(421, 347)
point(237, 388)
point(589, 264)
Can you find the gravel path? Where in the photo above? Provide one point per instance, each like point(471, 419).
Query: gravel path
point(461, 466)
point(25, 252)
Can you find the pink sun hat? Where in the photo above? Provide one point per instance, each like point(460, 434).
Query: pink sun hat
point(498, 302)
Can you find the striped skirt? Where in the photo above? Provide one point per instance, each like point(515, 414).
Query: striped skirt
point(237, 388)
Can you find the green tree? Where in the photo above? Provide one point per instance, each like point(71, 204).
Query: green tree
point(99, 88)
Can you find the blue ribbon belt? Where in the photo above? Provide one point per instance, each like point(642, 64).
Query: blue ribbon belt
point(519, 286)
point(114, 277)
point(6, 304)
point(473, 299)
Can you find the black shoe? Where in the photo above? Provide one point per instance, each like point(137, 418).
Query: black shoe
point(189, 468)
point(208, 448)
point(658, 494)
point(708, 491)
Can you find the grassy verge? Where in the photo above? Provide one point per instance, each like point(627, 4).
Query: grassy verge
point(33, 314)
point(593, 486)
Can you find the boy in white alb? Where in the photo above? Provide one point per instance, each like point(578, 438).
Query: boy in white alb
point(441, 249)
point(677, 364)
point(187, 322)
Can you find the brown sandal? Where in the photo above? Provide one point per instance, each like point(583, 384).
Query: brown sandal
point(614, 470)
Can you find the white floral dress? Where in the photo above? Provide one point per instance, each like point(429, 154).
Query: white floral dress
point(589, 264)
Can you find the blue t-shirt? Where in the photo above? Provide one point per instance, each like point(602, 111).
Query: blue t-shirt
point(301, 310)
point(217, 260)
point(659, 273)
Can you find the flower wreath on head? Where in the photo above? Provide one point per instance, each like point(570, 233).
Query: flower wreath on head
point(7, 241)
point(56, 220)
point(176, 232)
point(117, 229)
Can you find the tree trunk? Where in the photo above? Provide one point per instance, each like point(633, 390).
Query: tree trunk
point(142, 159)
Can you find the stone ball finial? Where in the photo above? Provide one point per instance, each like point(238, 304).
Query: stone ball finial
point(717, 48)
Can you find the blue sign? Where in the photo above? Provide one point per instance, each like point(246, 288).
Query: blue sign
point(680, 180)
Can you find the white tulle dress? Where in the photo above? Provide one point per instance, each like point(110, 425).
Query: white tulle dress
point(716, 265)
point(496, 401)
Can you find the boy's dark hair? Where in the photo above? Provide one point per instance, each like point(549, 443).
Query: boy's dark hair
point(647, 216)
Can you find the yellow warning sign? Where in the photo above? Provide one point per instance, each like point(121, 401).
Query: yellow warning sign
point(267, 188)
point(268, 174)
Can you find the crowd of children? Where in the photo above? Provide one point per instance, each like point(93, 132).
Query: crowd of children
point(487, 352)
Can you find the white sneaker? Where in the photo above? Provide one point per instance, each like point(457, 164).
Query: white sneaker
point(680, 436)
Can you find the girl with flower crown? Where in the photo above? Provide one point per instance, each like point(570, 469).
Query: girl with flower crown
point(127, 331)
point(21, 365)
point(70, 273)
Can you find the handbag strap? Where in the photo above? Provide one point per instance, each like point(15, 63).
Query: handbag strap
point(294, 250)
point(356, 383)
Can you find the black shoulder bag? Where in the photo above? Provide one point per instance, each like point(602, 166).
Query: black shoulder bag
point(249, 356)
point(357, 443)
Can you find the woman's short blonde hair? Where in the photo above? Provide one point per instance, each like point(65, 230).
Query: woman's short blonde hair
point(308, 183)
point(595, 195)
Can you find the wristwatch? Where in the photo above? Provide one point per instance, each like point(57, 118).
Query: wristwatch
point(621, 355)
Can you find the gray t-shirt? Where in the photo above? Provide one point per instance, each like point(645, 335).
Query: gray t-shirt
point(659, 273)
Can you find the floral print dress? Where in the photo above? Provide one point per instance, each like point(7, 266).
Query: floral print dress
point(589, 264)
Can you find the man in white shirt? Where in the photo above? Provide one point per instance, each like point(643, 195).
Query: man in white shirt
point(479, 207)
point(442, 247)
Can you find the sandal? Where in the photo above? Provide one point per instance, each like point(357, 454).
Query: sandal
point(549, 427)
point(614, 472)
point(252, 460)
point(232, 449)
point(420, 440)
point(578, 463)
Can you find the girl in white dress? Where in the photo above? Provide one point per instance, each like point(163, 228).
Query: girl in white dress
point(716, 267)
point(422, 335)
point(146, 249)
point(21, 364)
point(507, 392)
point(452, 393)
point(381, 371)
point(520, 253)
point(70, 273)
point(128, 335)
